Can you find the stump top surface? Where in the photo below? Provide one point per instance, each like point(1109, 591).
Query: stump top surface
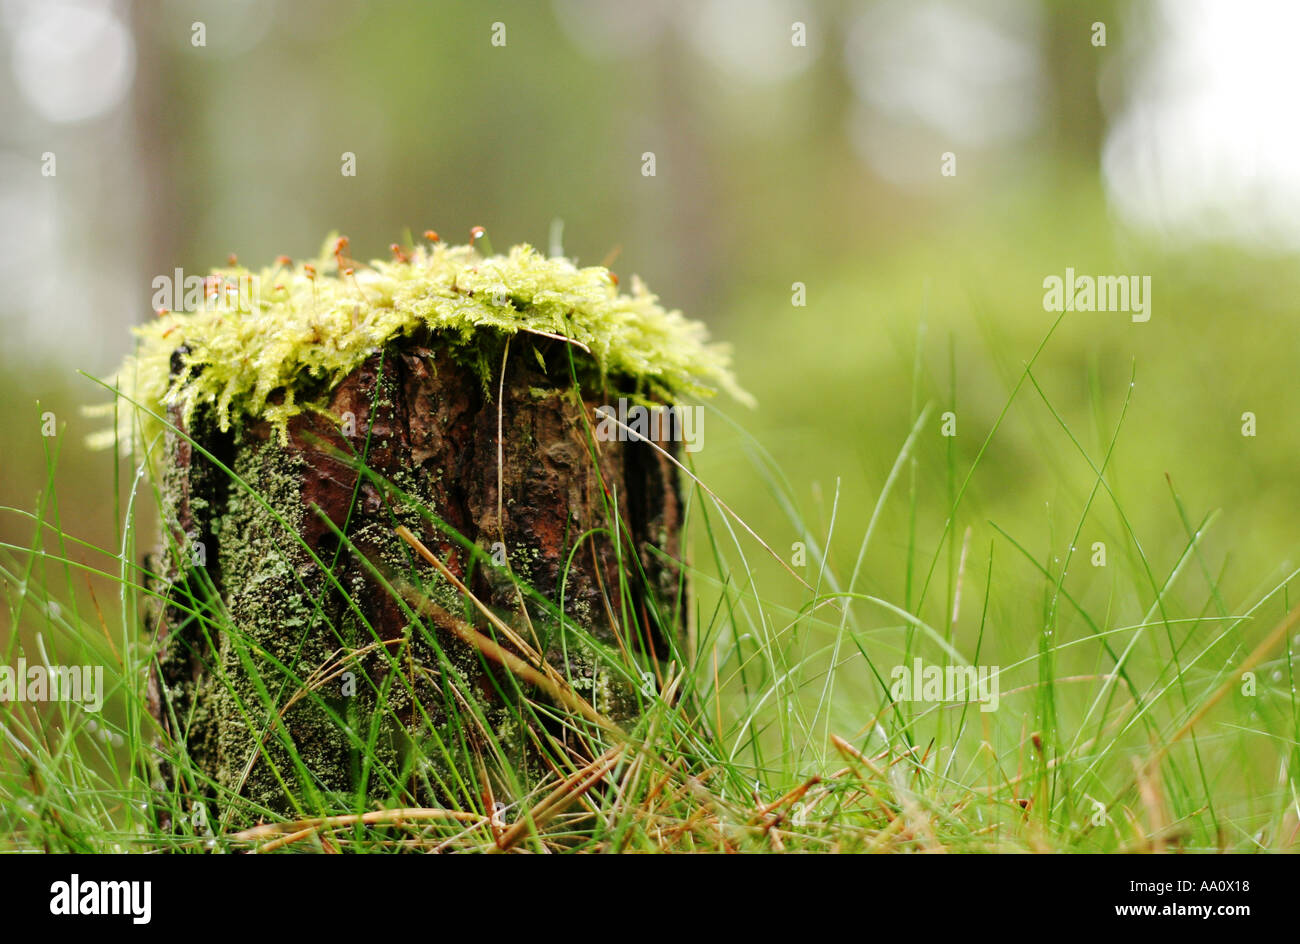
point(264, 343)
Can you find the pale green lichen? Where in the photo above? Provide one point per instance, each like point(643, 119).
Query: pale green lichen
point(280, 347)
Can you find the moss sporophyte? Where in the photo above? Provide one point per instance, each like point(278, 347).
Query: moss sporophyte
point(272, 343)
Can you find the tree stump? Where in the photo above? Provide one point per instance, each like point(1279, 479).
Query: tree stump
point(310, 657)
point(423, 423)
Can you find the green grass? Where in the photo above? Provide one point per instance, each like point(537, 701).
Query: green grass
point(771, 728)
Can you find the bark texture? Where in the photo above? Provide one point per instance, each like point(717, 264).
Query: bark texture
point(425, 423)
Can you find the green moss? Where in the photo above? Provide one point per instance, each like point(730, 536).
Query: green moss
point(298, 329)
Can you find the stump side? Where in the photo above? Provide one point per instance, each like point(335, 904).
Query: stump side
point(425, 424)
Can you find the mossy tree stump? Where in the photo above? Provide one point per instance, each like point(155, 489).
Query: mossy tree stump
point(309, 657)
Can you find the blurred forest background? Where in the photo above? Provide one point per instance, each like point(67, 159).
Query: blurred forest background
point(1171, 151)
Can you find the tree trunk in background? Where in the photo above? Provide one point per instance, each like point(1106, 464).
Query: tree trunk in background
point(1075, 68)
point(433, 434)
